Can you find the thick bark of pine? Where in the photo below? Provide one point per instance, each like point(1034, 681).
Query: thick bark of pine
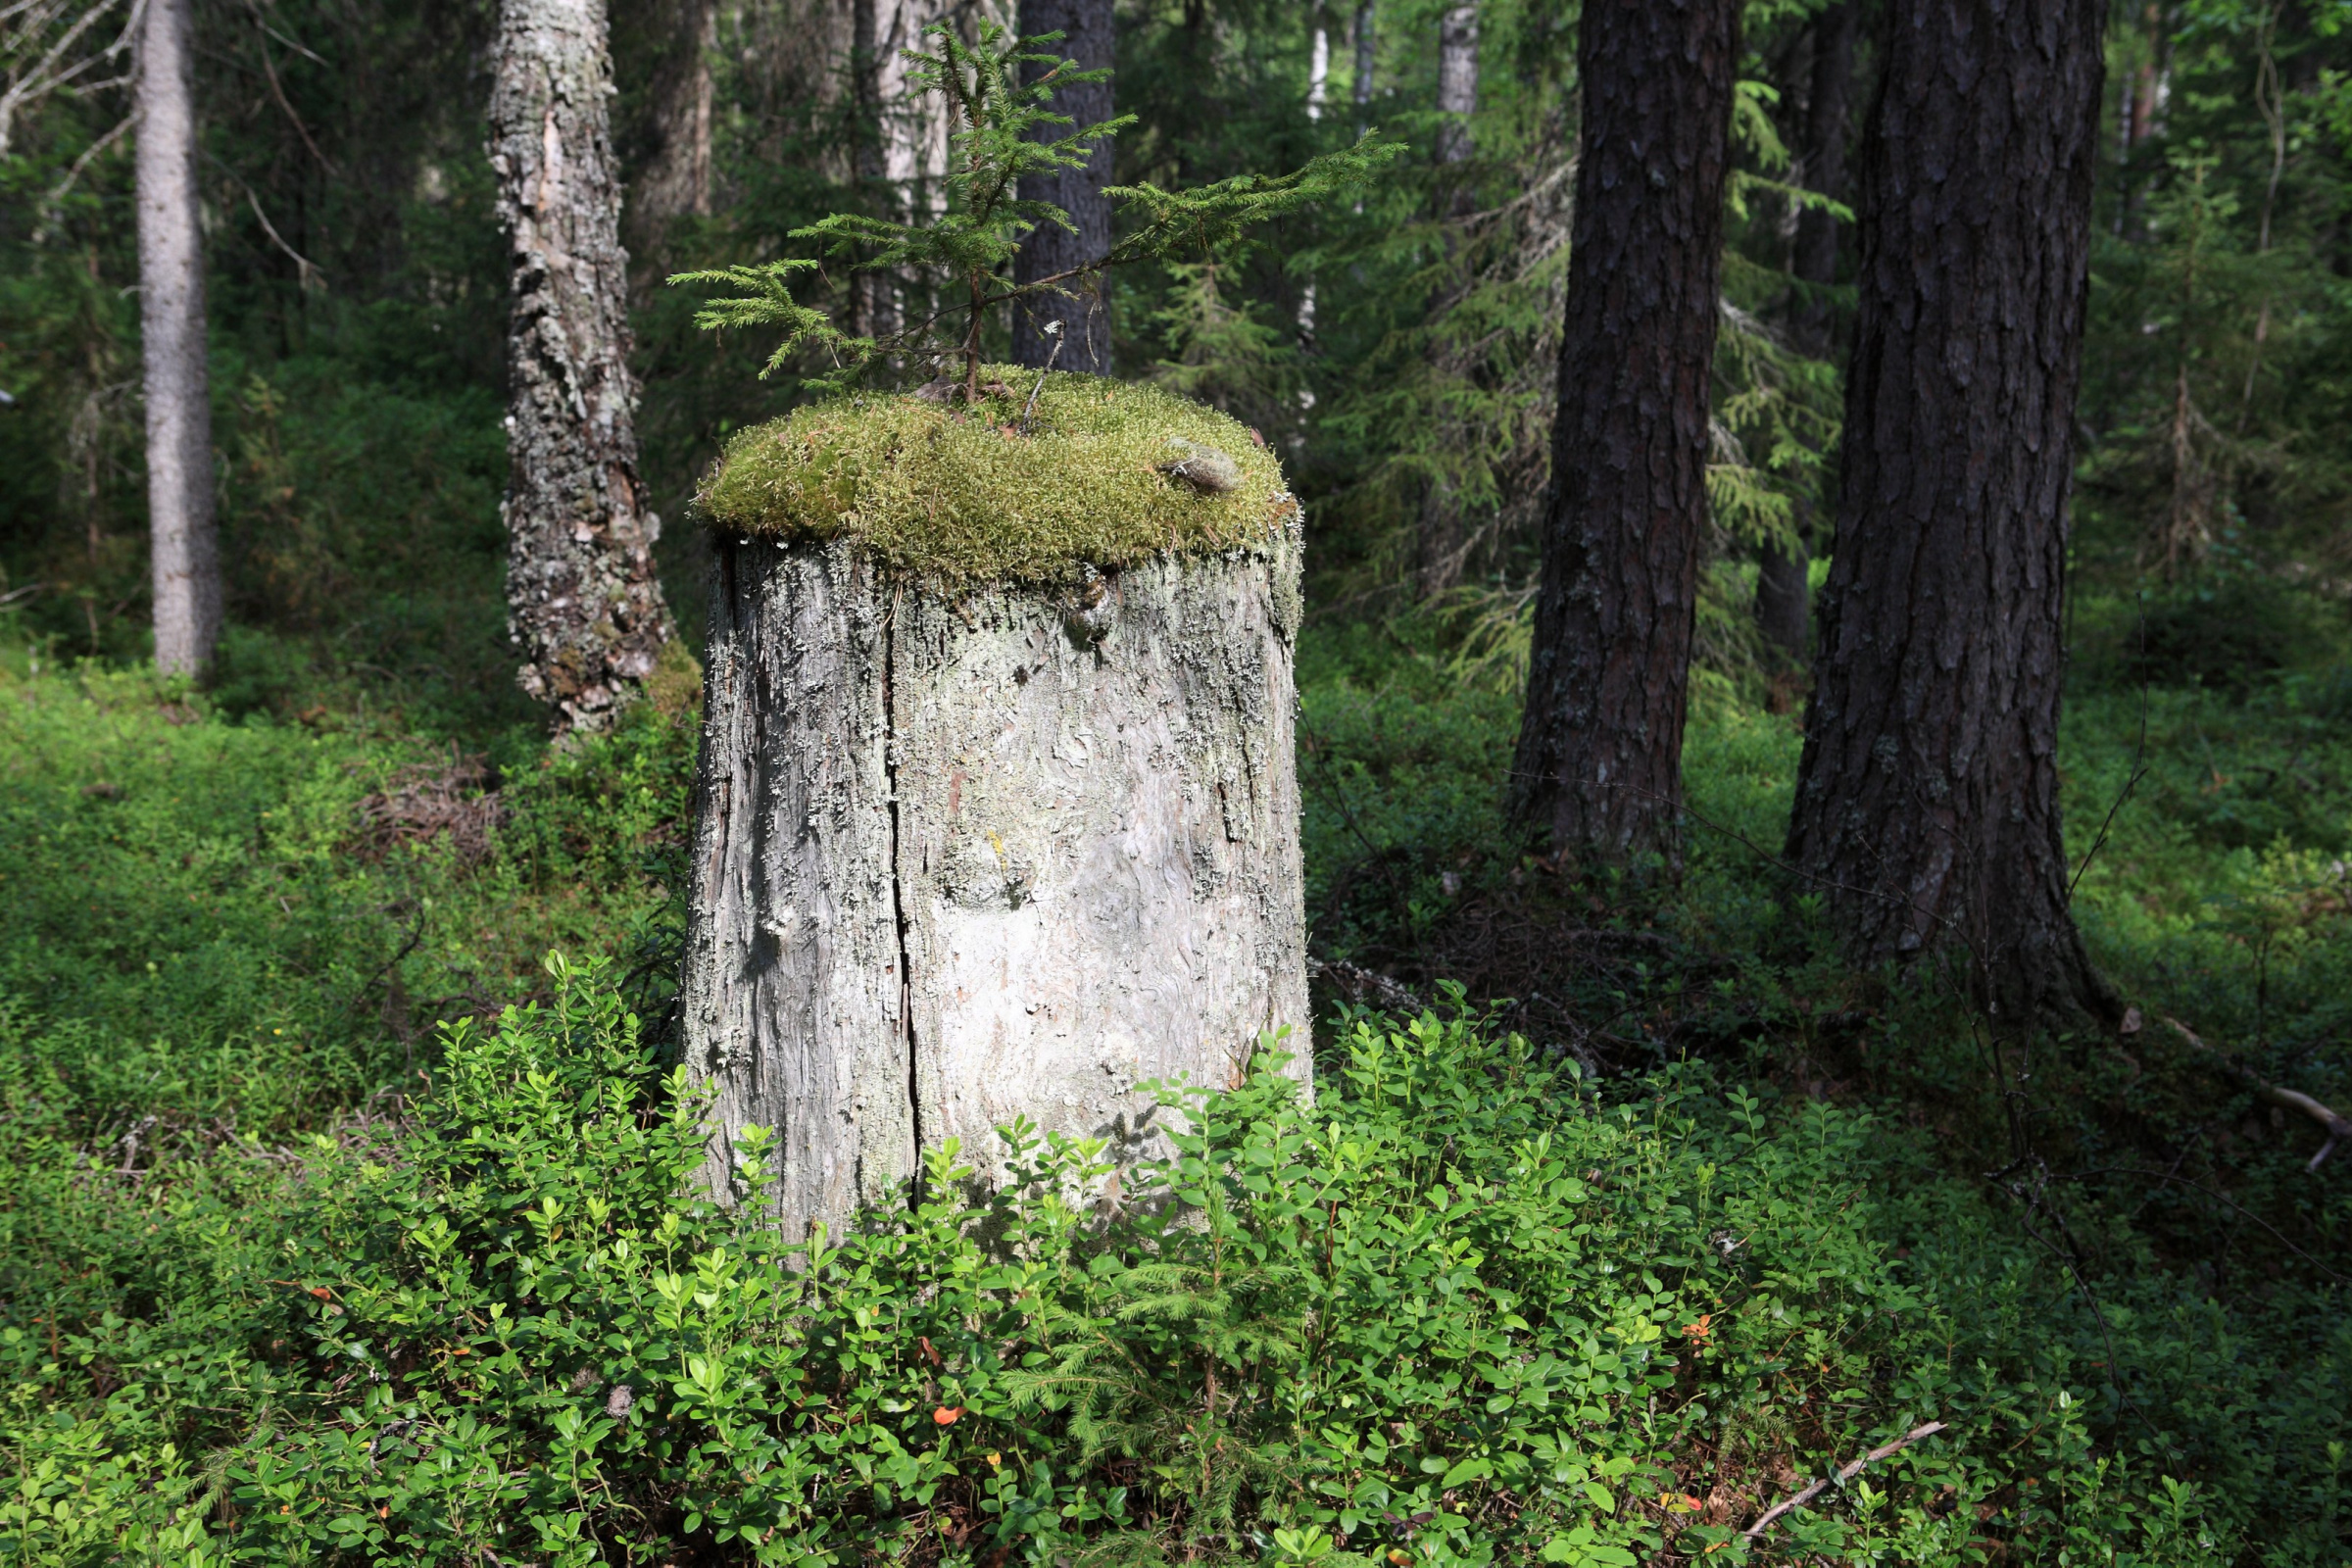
point(961, 861)
point(1783, 612)
point(1928, 796)
point(186, 547)
point(1599, 760)
point(581, 594)
point(1049, 250)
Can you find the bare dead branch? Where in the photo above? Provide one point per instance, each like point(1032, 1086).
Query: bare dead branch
point(1925, 1429)
point(2338, 1127)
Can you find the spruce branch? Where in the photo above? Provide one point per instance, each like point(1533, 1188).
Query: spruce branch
point(1001, 131)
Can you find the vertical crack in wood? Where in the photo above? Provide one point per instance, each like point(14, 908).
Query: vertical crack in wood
point(898, 891)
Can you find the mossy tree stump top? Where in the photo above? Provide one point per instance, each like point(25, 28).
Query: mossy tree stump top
point(956, 495)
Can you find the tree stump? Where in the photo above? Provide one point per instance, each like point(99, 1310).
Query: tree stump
point(969, 851)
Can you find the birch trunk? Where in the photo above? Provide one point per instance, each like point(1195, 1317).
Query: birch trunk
point(1457, 83)
point(1051, 250)
point(1011, 854)
point(1365, 56)
point(901, 138)
point(185, 547)
point(581, 594)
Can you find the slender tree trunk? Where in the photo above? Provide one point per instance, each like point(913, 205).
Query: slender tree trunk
point(581, 592)
point(1441, 537)
point(1318, 89)
point(1927, 795)
point(676, 180)
point(1600, 760)
point(186, 552)
point(1086, 26)
point(1781, 609)
point(1457, 83)
point(1365, 64)
point(901, 139)
point(1318, 65)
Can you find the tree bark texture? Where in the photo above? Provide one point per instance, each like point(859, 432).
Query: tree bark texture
point(1457, 83)
point(1927, 795)
point(1599, 759)
point(581, 594)
point(901, 138)
point(1783, 611)
point(1013, 855)
point(1049, 250)
point(185, 551)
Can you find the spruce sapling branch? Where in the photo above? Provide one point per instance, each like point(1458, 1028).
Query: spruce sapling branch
point(995, 140)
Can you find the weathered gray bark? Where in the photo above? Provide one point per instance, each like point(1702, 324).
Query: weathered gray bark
point(959, 862)
point(1050, 250)
point(185, 549)
point(581, 594)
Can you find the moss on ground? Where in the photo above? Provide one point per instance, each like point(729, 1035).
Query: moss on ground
point(956, 495)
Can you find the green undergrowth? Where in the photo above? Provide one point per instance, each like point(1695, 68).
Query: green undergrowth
point(1439, 1310)
point(1466, 1309)
point(953, 495)
point(249, 922)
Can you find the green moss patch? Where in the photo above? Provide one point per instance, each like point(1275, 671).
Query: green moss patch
point(957, 494)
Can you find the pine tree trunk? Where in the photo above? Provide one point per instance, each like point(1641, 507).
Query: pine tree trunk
point(581, 593)
point(1599, 760)
point(1050, 250)
point(1783, 612)
point(185, 547)
point(1928, 796)
point(959, 862)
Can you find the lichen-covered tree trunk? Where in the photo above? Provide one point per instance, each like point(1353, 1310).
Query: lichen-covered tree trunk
point(1050, 251)
point(185, 549)
point(1599, 760)
point(1927, 799)
point(959, 861)
point(581, 594)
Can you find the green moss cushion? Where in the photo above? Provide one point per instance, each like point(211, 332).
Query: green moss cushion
point(955, 494)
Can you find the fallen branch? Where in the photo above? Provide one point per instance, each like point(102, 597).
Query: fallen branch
point(2293, 1100)
point(1927, 1430)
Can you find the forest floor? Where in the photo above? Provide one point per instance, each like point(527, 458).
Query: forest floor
point(242, 926)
